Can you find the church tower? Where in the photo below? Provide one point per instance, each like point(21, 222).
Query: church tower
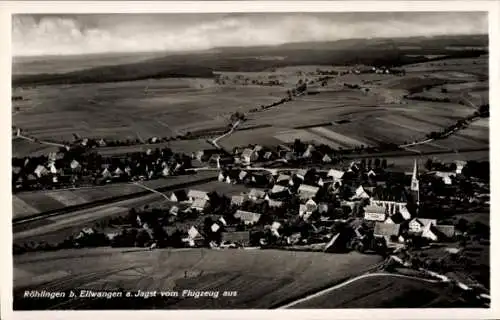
point(415, 186)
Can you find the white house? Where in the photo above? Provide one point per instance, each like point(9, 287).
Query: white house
point(215, 227)
point(311, 206)
point(199, 204)
point(196, 194)
point(307, 192)
point(255, 194)
point(249, 155)
point(237, 200)
point(75, 165)
point(247, 217)
point(40, 171)
point(336, 175)
point(278, 189)
point(301, 174)
point(360, 194)
point(419, 224)
point(375, 213)
point(326, 159)
point(274, 203)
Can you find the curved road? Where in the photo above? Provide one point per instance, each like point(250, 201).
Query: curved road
point(346, 283)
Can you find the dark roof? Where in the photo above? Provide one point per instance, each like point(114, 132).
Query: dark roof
point(386, 229)
point(396, 194)
point(181, 195)
point(446, 230)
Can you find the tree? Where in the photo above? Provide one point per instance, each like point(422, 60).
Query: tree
point(428, 164)
point(377, 163)
point(384, 164)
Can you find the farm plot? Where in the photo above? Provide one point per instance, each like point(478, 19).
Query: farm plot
point(345, 141)
point(261, 278)
point(222, 188)
point(385, 292)
point(39, 200)
point(289, 136)
point(457, 142)
point(262, 136)
point(21, 209)
point(22, 148)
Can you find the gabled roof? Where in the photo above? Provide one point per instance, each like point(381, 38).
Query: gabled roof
point(274, 203)
point(385, 194)
point(301, 172)
point(197, 194)
point(336, 174)
point(256, 193)
point(360, 193)
point(199, 203)
point(446, 230)
point(237, 199)
point(375, 209)
point(308, 189)
point(247, 152)
point(277, 188)
point(247, 216)
point(424, 221)
point(283, 177)
point(180, 195)
point(386, 229)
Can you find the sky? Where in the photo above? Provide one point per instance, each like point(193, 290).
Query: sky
point(39, 35)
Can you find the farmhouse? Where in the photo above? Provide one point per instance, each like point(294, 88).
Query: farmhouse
point(284, 179)
point(40, 171)
point(375, 213)
point(237, 200)
point(241, 238)
point(418, 224)
point(301, 174)
point(446, 231)
point(255, 194)
point(178, 196)
point(307, 192)
point(392, 200)
point(360, 194)
point(274, 203)
point(199, 204)
point(446, 176)
point(247, 217)
point(249, 155)
point(196, 194)
point(277, 189)
point(336, 175)
point(386, 230)
point(326, 159)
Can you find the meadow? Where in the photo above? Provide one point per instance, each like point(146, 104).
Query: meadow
point(261, 278)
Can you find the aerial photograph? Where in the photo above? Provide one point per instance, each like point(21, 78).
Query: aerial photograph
point(332, 160)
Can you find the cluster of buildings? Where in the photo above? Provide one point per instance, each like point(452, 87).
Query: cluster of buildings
point(65, 169)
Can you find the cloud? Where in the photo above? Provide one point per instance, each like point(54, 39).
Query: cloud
point(36, 35)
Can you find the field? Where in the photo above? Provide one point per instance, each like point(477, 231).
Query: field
point(386, 292)
point(262, 279)
point(28, 203)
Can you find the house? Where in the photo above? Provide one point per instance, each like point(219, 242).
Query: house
point(445, 176)
point(199, 204)
point(257, 148)
point(247, 217)
point(196, 194)
point(279, 189)
point(326, 159)
point(118, 172)
point(249, 155)
point(255, 194)
point(193, 236)
point(223, 221)
point(52, 168)
point(418, 224)
point(360, 193)
point(323, 207)
point(302, 209)
point(40, 171)
point(275, 227)
point(307, 192)
point(105, 173)
point(178, 196)
point(386, 230)
point(241, 238)
point(429, 231)
point(199, 155)
point(174, 210)
point(268, 155)
point(294, 238)
point(445, 231)
point(311, 206)
point(460, 165)
point(375, 213)
point(74, 165)
point(371, 174)
point(301, 174)
point(284, 179)
point(221, 177)
point(165, 172)
point(242, 175)
point(215, 227)
point(274, 203)
point(336, 175)
point(308, 153)
point(393, 199)
point(237, 200)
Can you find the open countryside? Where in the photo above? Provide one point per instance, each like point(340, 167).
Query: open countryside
point(342, 174)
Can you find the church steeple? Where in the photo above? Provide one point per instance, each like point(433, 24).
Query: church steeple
point(415, 186)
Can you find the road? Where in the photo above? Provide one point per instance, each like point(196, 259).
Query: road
point(216, 140)
point(40, 141)
point(297, 303)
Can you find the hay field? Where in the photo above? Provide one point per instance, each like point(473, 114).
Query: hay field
point(385, 292)
point(262, 279)
point(32, 202)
